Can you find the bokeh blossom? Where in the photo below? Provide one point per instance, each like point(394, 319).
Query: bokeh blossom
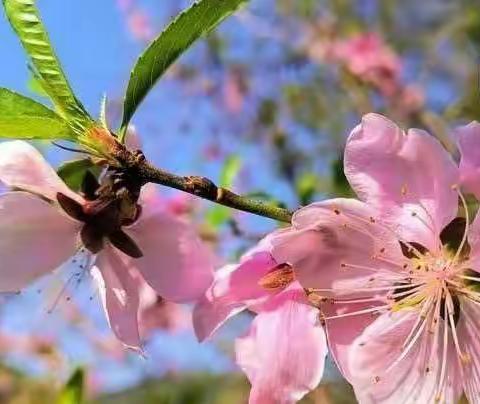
point(395, 273)
point(157, 313)
point(283, 353)
point(43, 223)
point(366, 56)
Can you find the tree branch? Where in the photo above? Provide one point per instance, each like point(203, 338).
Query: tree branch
point(206, 189)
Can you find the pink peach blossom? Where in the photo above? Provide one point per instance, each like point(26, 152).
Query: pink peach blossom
point(396, 272)
point(283, 354)
point(366, 55)
point(38, 236)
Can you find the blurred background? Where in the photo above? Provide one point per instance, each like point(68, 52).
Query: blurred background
point(263, 105)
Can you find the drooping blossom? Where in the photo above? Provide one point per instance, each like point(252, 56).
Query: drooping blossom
point(396, 273)
point(43, 223)
point(283, 353)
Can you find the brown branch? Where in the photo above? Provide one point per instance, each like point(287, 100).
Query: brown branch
point(206, 189)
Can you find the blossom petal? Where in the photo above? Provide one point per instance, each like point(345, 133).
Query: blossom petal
point(343, 331)
point(22, 166)
point(175, 263)
point(284, 352)
point(233, 289)
point(35, 239)
point(403, 175)
point(151, 201)
point(473, 238)
point(339, 244)
point(119, 292)
point(379, 373)
point(469, 145)
point(468, 326)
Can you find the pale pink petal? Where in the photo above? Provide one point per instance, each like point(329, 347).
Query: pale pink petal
point(339, 244)
point(284, 352)
point(342, 331)
point(407, 177)
point(469, 145)
point(380, 374)
point(35, 238)
point(22, 166)
point(467, 327)
point(119, 292)
point(175, 262)
point(474, 242)
point(233, 289)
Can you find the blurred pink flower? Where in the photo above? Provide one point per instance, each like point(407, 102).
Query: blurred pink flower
point(234, 89)
point(180, 204)
point(156, 313)
point(213, 151)
point(396, 272)
point(283, 354)
point(38, 236)
point(139, 25)
point(366, 56)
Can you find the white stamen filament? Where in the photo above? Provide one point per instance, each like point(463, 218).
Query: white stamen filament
point(420, 317)
point(470, 278)
point(371, 269)
point(450, 313)
point(356, 313)
point(373, 289)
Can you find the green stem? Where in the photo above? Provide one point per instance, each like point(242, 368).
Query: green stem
point(204, 188)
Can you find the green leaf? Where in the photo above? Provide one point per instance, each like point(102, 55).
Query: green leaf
point(230, 170)
point(72, 392)
point(196, 21)
point(35, 87)
point(24, 118)
point(307, 186)
point(217, 216)
point(26, 22)
point(73, 172)
point(341, 186)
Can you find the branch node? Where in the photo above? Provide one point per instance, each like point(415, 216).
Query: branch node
point(201, 186)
